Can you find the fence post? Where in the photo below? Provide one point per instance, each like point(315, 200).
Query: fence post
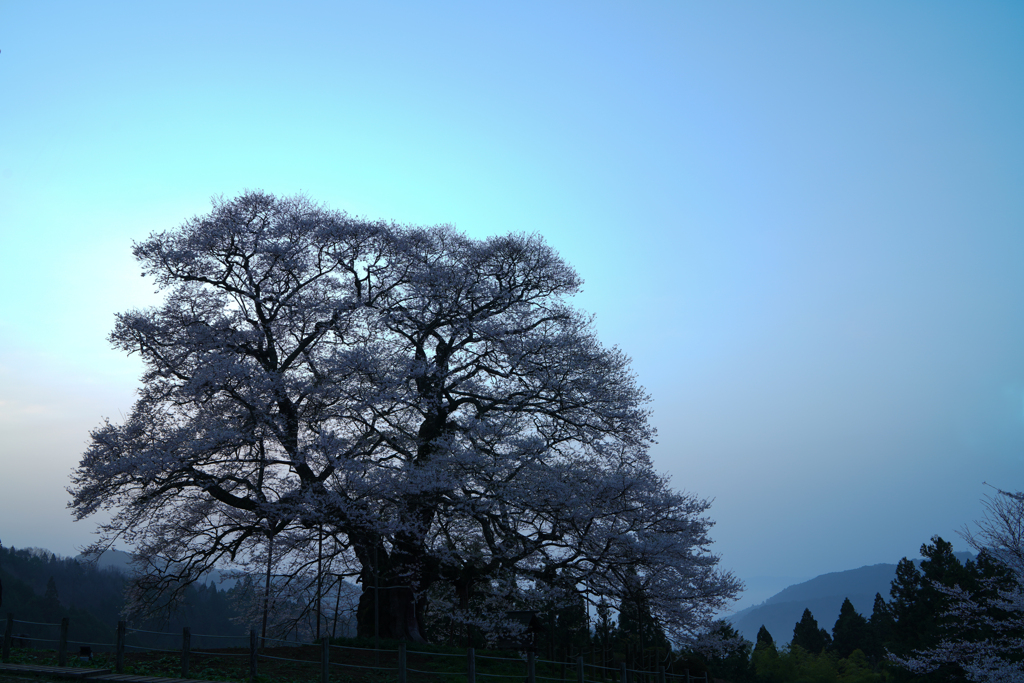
point(119, 649)
point(253, 655)
point(471, 663)
point(8, 635)
point(401, 663)
point(531, 667)
point(625, 674)
point(661, 674)
point(579, 669)
point(186, 645)
point(325, 659)
point(62, 644)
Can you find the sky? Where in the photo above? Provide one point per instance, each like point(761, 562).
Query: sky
point(803, 221)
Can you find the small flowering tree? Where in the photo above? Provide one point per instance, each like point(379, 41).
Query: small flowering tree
point(429, 402)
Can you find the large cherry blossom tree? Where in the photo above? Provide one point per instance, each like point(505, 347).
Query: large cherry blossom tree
point(428, 401)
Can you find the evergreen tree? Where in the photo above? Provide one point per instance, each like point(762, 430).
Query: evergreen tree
point(907, 609)
point(51, 596)
point(920, 607)
point(880, 626)
point(604, 630)
point(637, 626)
point(808, 635)
point(851, 632)
point(764, 640)
point(565, 620)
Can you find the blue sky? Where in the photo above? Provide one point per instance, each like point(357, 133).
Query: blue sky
point(804, 222)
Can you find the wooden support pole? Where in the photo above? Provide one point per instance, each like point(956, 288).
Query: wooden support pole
point(186, 646)
point(254, 654)
point(122, 627)
point(661, 674)
point(325, 659)
point(402, 673)
point(471, 665)
point(579, 669)
point(531, 667)
point(625, 674)
point(62, 644)
point(8, 637)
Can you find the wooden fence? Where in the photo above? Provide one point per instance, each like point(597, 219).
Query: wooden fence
point(579, 671)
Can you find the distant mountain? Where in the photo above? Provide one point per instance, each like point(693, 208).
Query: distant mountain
point(823, 595)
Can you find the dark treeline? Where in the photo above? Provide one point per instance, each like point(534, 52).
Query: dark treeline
point(562, 630)
point(42, 587)
point(860, 648)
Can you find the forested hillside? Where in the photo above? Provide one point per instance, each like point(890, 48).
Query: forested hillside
point(40, 586)
point(823, 596)
point(937, 619)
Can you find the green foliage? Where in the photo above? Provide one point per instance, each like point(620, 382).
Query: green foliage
point(796, 665)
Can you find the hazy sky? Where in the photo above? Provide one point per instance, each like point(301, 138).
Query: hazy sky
point(804, 222)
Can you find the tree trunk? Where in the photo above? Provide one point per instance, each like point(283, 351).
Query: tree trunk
point(399, 617)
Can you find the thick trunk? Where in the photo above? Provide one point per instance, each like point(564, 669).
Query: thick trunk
point(393, 577)
point(391, 582)
point(398, 617)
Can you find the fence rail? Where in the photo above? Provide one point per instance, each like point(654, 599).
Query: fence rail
point(401, 669)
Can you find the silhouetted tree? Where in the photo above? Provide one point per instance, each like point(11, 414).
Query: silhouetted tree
point(764, 639)
point(604, 629)
point(880, 626)
point(921, 607)
point(431, 402)
point(808, 635)
point(51, 595)
point(851, 632)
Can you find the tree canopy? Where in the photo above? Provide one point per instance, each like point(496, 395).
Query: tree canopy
point(428, 403)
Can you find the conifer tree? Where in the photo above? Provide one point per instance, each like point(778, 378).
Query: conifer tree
point(850, 632)
point(919, 603)
point(51, 596)
point(764, 639)
point(807, 634)
point(880, 626)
